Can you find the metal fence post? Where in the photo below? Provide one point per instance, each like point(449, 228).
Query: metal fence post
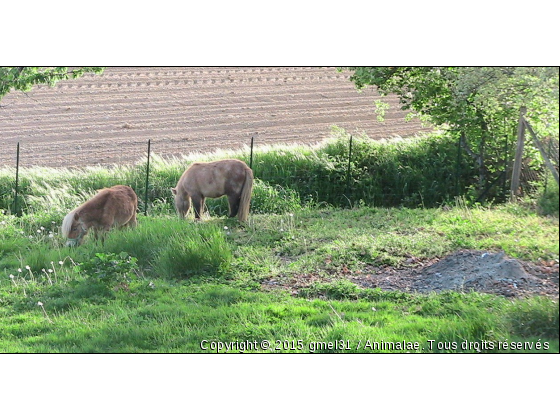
point(348, 171)
point(147, 180)
point(251, 156)
point(458, 167)
point(16, 210)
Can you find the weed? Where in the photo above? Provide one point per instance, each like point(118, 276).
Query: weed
point(109, 269)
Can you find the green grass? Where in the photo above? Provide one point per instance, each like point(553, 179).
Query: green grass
point(174, 285)
point(195, 286)
point(419, 171)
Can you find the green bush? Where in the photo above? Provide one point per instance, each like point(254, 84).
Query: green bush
point(548, 198)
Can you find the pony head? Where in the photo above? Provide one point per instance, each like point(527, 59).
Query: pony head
point(73, 229)
point(182, 202)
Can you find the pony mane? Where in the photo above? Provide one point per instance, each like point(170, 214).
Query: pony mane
point(67, 223)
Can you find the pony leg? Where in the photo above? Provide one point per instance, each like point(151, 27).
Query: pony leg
point(233, 201)
point(133, 222)
point(198, 206)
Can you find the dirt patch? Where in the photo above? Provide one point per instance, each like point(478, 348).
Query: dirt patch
point(465, 270)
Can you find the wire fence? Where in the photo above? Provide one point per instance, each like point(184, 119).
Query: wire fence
point(343, 180)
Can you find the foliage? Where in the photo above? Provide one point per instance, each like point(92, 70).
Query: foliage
point(109, 268)
point(481, 104)
point(547, 198)
point(24, 78)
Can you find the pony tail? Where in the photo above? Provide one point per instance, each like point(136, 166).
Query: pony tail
point(245, 200)
point(67, 223)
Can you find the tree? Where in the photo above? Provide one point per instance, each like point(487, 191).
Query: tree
point(480, 104)
point(24, 78)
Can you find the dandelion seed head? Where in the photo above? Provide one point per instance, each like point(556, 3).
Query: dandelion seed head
point(27, 267)
point(12, 276)
point(40, 303)
point(50, 270)
point(19, 270)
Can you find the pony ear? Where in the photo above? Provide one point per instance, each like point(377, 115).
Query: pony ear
point(174, 191)
point(76, 216)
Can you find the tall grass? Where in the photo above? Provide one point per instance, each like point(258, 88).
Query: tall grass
point(420, 171)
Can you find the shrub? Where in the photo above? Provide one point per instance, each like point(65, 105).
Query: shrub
point(547, 200)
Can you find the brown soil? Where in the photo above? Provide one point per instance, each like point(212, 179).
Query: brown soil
point(109, 118)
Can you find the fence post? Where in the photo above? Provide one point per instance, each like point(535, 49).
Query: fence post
point(16, 210)
point(458, 166)
point(147, 180)
point(518, 154)
point(348, 171)
point(251, 156)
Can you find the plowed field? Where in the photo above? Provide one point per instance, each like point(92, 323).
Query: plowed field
point(108, 118)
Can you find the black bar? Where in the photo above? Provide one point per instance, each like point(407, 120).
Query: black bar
point(147, 180)
point(251, 157)
point(348, 169)
point(16, 210)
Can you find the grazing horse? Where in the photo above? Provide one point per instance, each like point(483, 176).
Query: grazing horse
point(230, 177)
point(109, 208)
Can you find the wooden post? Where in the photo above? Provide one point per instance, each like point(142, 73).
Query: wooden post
point(518, 154)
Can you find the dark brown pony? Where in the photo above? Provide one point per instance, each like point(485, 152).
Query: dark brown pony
point(230, 177)
point(109, 208)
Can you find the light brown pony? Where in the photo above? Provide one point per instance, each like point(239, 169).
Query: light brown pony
point(109, 208)
point(230, 177)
